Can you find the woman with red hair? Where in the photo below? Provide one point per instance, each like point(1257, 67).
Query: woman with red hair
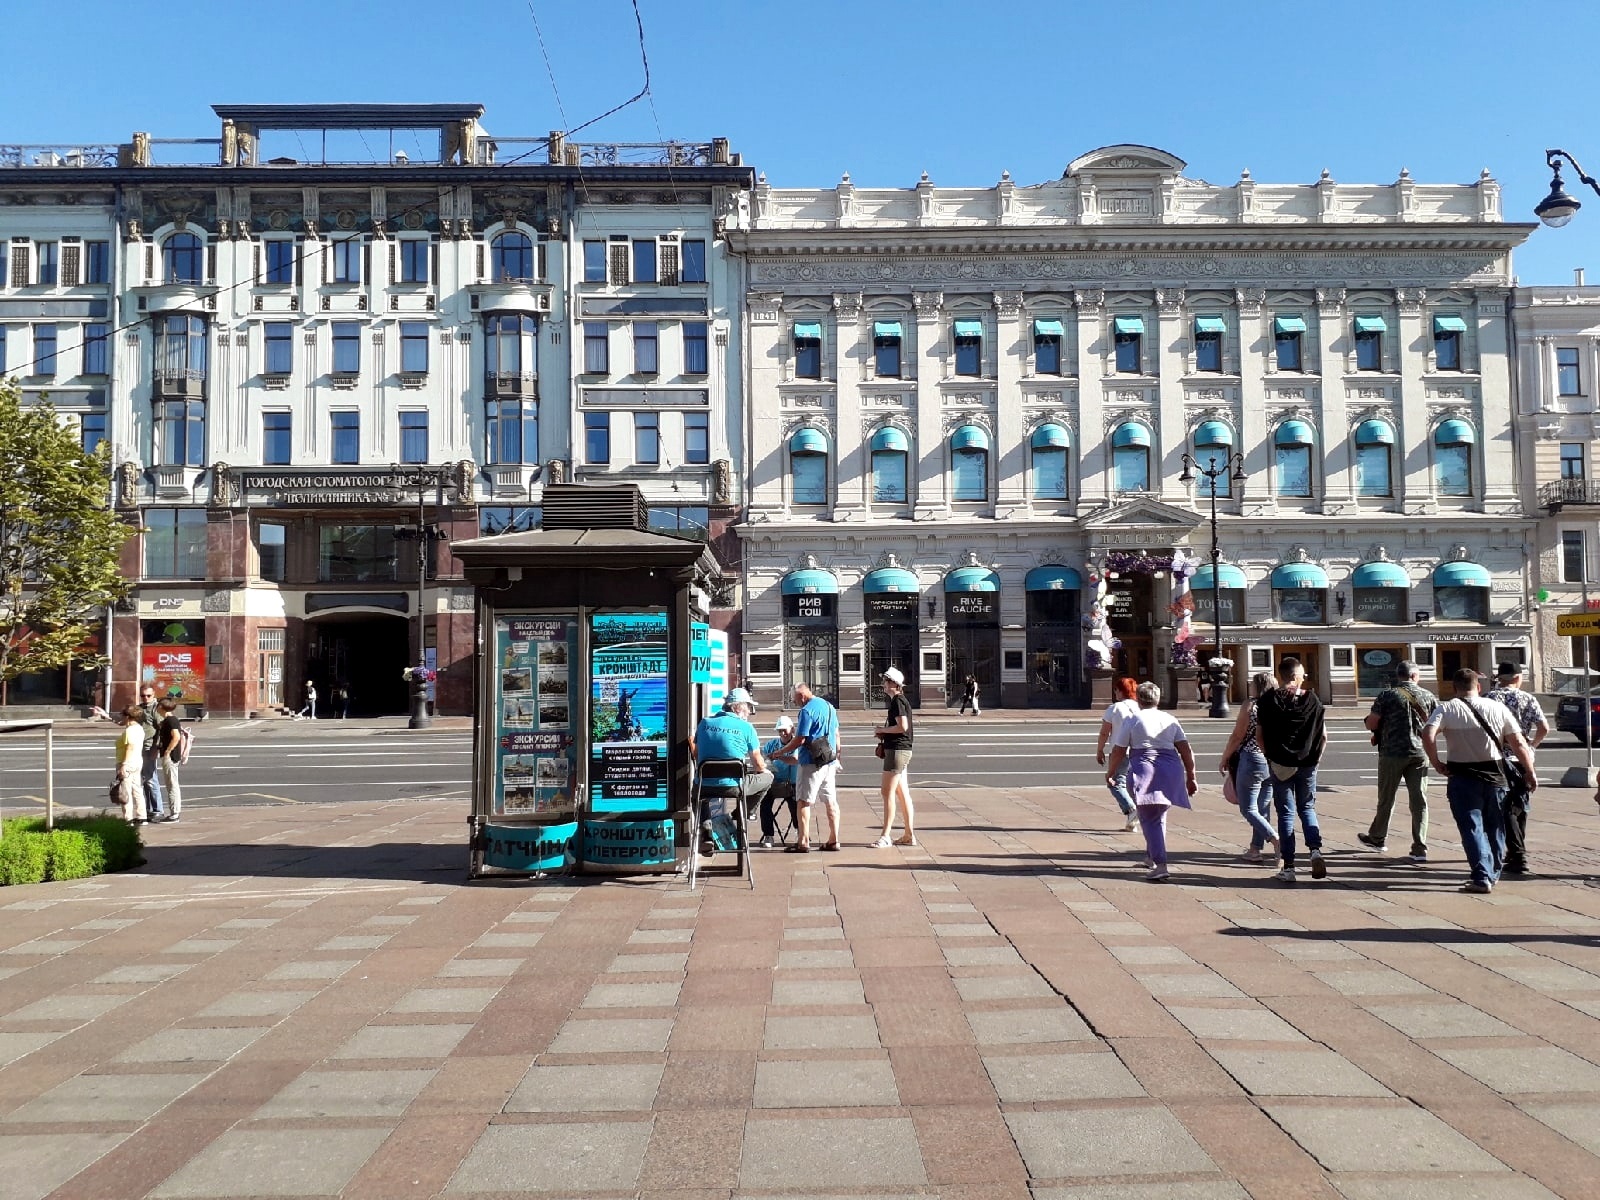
point(1122, 708)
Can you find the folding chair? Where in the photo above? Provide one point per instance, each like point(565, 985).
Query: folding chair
point(721, 768)
point(784, 817)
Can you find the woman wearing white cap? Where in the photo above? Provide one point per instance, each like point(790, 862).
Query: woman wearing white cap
point(894, 747)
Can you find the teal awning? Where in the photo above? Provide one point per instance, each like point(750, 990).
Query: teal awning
point(972, 579)
point(1449, 323)
point(808, 441)
point(1288, 324)
point(890, 438)
point(970, 437)
point(1375, 433)
point(808, 330)
point(969, 329)
point(1048, 328)
point(1131, 433)
point(1294, 433)
point(1299, 575)
point(1053, 579)
point(1050, 435)
point(1128, 324)
point(1211, 324)
point(1460, 574)
point(1380, 574)
point(810, 583)
point(882, 329)
point(1371, 325)
point(890, 579)
point(1455, 433)
point(1213, 433)
point(1228, 576)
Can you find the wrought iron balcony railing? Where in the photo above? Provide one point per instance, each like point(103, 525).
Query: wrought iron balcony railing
point(1567, 493)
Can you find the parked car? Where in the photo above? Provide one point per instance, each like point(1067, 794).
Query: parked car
point(1578, 714)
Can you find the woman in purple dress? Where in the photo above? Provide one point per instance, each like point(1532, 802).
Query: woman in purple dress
point(1160, 771)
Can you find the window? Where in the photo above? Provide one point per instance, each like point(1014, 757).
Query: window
point(1461, 603)
point(1572, 556)
point(1208, 333)
point(969, 463)
point(596, 348)
point(1293, 443)
point(513, 259)
point(97, 262)
point(696, 437)
point(20, 248)
point(95, 342)
point(696, 357)
point(1131, 467)
point(413, 348)
point(181, 260)
point(181, 430)
point(620, 264)
point(280, 261)
point(271, 546)
point(357, 554)
point(1047, 339)
point(1300, 606)
point(694, 262)
point(1369, 343)
point(44, 349)
point(1372, 469)
point(71, 263)
point(91, 431)
point(886, 349)
point(680, 521)
point(275, 439)
point(1572, 460)
point(667, 266)
point(1128, 342)
point(513, 427)
point(888, 476)
point(809, 475)
point(280, 347)
point(644, 260)
point(594, 262)
point(646, 356)
point(1568, 381)
point(346, 428)
point(1388, 605)
point(414, 436)
point(1213, 444)
point(175, 543)
point(1288, 334)
point(969, 347)
point(647, 438)
point(1049, 472)
point(346, 260)
point(494, 519)
point(511, 345)
point(808, 350)
point(346, 348)
point(1447, 333)
point(1452, 458)
point(181, 347)
point(49, 268)
point(597, 438)
point(414, 256)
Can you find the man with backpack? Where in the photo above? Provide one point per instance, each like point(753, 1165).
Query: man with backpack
point(815, 746)
point(172, 749)
point(1396, 721)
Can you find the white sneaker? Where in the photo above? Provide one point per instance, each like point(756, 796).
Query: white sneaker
point(1133, 823)
point(1285, 876)
point(883, 843)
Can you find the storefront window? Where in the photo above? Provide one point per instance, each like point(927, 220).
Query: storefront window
point(1376, 669)
point(1461, 604)
point(1301, 606)
point(1382, 605)
point(358, 554)
point(1232, 600)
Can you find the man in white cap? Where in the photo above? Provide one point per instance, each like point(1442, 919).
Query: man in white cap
point(728, 736)
point(784, 777)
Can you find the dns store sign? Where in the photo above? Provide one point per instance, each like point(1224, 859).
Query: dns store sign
point(175, 671)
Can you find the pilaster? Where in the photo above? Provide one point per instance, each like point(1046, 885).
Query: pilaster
point(932, 486)
point(1171, 313)
point(1093, 462)
point(1011, 451)
point(1417, 480)
point(1338, 466)
point(1254, 343)
point(1497, 420)
point(851, 495)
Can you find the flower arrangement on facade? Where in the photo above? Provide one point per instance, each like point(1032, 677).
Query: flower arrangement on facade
point(1185, 641)
point(1184, 654)
point(1136, 562)
point(426, 674)
point(1101, 643)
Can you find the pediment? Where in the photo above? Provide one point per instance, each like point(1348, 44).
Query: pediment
point(1143, 514)
point(1127, 158)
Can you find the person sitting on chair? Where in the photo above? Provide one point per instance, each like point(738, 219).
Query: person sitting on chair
point(784, 776)
point(728, 736)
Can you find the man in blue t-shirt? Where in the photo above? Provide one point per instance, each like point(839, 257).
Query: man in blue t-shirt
point(818, 782)
point(728, 735)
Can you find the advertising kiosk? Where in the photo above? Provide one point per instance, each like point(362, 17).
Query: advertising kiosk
point(587, 631)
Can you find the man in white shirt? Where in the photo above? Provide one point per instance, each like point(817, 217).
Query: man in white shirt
point(1480, 734)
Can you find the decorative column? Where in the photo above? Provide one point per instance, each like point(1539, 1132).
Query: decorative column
point(1417, 480)
point(1255, 493)
point(1339, 485)
point(764, 405)
point(932, 488)
point(1093, 461)
point(1172, 437)
point(1011, 451)
point(850, 497)
point(1495, 409)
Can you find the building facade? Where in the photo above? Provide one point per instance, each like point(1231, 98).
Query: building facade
point(326, 366)
point(969, 410)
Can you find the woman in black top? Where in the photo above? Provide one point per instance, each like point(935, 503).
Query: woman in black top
point(969, 695)
point(894, 747)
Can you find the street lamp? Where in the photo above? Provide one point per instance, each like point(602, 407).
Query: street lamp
point(1211, 472)
point(1556, 209)
point(420, 478)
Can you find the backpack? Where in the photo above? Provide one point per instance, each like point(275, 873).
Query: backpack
point(180, 752)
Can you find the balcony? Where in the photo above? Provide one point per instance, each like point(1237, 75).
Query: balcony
point(180, 383)
point(1569, 493)
point(511, 384)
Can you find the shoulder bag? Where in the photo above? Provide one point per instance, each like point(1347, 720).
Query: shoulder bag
point(1516, 778)
point(821, 748)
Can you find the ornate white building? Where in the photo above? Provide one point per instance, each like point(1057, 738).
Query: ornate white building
point(967, 402)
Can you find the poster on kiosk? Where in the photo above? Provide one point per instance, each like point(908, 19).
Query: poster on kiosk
point(628, 827)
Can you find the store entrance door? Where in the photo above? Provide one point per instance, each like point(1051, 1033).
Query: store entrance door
point(363, 652)
point(1310, 658)
point(1055, 649)
point(1455, 655)
point(975, 651)
point(891, 646)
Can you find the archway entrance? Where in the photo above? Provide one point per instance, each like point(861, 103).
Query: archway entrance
point(364, 652)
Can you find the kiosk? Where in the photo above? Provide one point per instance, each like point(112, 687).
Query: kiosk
point(586, 636)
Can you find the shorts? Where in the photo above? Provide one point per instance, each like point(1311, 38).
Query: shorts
point(817, 784)
point(896, 761)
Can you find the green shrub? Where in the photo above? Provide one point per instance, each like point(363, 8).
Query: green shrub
point(77, 848)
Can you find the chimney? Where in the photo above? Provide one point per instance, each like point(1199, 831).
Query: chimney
point(1577, 276)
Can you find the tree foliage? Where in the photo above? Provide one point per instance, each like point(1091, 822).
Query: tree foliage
point(59, 540)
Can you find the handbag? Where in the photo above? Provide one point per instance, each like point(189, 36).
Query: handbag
point(115, 797)
point(1230, 790)
point(821, 750)
point(1516, 777)
point(878, 749)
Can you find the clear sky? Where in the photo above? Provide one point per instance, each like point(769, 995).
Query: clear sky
point(884, 90)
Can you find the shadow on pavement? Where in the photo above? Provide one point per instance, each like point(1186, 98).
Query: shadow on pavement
point(406, 861)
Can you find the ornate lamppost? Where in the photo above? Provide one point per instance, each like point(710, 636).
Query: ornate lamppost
point(420, 479)
point(1556, 209)
point(1211, 472)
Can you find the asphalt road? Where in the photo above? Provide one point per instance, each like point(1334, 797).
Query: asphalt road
point(300, 763)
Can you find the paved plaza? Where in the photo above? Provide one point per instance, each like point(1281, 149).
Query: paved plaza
point(306, 1000)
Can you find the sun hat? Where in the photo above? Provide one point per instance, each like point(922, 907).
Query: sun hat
point(894, 676)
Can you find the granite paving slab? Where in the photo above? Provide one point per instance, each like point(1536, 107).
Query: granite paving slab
point(1526, 1070)
point(104, 1098)
point(1032, 1078)
point(275, 1162)
point(81, 1006)
point(1386, 1137)
point(547, 1158)
point(846, 1152)
point(445, 1000)
point(824, 1084)
point(1441, 1020)
point(191, 1045)
point(255, 1004)
point(1105, 1141)
point(318, 1094)
point(1310, 1072)
point(1020, 1025)
point(612, 1036)
point(821, 1033)
point(32, 1165)
point(615, 1087)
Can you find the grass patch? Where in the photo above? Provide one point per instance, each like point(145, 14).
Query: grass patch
point(77, 848)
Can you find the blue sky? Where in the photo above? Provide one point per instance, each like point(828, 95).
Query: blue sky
point(884, 90)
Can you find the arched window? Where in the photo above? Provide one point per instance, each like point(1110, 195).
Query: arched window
point(1130, 456)
point(890, 448)
point(1300, 594)
point(512, 258)
point(1293, 442)
point(1374, 458)
point(1050, 445)
point(1380, 591)
point(969, 463)
point(808, 467)
point(1213, 442)
point(183, 259)
point(1452, 457)
point(181, 430)
point(1461, 592)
